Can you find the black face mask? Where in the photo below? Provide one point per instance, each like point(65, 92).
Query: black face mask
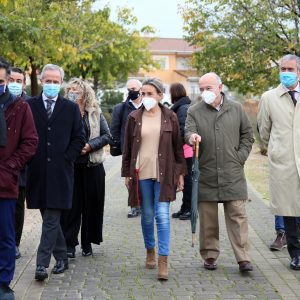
point(133, 95)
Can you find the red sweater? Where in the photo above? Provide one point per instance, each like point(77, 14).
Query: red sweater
point(22, 142)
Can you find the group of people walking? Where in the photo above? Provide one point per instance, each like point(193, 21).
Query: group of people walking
point(61, 139)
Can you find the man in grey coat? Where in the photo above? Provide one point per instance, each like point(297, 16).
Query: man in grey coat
point(226, 140)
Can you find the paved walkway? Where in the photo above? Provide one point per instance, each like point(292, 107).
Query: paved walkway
point(116, 271)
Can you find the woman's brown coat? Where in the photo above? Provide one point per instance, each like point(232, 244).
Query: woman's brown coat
point(170, 153)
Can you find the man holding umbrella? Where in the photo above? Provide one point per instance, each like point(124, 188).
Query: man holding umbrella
point(226, 140)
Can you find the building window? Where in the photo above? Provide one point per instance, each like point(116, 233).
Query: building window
point(162, 61)
point(183, 63)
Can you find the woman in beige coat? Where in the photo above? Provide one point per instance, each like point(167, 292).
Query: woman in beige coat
point(279, 127)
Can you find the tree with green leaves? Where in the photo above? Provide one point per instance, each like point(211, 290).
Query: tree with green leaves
point(242, 40)
point(70, 33)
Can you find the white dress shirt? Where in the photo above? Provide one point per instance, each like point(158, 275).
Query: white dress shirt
point(45, 103)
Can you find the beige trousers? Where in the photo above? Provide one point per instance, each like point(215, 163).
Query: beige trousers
point(236, 224)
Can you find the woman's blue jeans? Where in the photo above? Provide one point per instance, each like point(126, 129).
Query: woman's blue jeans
point(152, 208)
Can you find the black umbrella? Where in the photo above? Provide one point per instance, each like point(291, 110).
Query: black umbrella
point(194, 201)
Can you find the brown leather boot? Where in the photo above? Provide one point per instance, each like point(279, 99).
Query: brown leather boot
point(162, 268)
point(150, 259)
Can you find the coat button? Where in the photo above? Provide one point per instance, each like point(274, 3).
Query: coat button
point(139, 124)
point(217, 128)
point(137, 141)
point(48, 159)
point(159, 154)
point(161, 173)
point(48, 144)
point(49, 128)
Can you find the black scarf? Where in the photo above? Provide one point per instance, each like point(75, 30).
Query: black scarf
point(3, 128)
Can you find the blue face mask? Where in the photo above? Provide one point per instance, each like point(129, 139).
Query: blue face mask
point(51, 90)
point(2, 89)
point(15, 88)
point(288, 78)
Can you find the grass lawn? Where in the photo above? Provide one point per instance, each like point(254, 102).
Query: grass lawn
point(257, 172)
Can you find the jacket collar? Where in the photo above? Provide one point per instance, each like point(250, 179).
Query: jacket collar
point(282, 90)
point(180, 102)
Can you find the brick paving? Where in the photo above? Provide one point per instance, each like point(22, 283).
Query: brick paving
point(116, 271)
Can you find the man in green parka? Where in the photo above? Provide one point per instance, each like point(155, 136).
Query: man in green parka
point(226, 140)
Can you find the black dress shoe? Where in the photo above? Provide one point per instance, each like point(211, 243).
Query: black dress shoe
point(18, 253)
point(41, 273)
point(177, 214)
point(295, 263)
point(6, 293)
point(185, 216)
point(245, 266)
point(60, 266)
point(87, 250)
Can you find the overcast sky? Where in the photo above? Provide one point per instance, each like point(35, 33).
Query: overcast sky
point(163, 15)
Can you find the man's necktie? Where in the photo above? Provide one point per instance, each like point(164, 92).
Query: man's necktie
point(49, 107)
point(292, 94)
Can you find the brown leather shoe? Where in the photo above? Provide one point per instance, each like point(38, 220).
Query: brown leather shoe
point(245, 266)
point(210, 264)
point(150, 259)
point(279, 242)
point(162, 268)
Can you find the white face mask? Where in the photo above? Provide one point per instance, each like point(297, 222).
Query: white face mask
point(208, 97)
point(149, 103)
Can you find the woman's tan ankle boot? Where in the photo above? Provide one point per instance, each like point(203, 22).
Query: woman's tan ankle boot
point(150, 259)
point(163, 268)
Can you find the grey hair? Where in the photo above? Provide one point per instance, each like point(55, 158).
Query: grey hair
point(138, 83)
point(291, 57)
point(156, 83)
point(218, 78)
point(52, 67)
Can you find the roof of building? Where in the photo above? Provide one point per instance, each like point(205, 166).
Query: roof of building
point(171, 45)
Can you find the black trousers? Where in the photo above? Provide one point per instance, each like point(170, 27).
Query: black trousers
point(293, 244)
point(87, 207)
point(187, 191)
point(52, 238)
point(20, 212)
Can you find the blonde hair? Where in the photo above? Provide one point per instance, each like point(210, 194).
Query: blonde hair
point(88, 94)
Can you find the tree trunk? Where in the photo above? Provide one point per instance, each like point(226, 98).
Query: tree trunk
point(96, 82)
point(33, 78)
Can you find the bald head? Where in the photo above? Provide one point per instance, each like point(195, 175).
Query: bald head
point(211, 77)
point(211, 82)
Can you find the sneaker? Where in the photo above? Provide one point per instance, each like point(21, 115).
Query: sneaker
point(177, 214)
point(279, 243)
point(185, 216)
point(6, 293)
point(134, 212)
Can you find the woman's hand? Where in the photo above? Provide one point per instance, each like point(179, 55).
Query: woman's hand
point(127, 182)
point(86, 149)
point(180, 184)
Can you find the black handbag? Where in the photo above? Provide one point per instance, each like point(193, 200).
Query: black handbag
point(115, 148)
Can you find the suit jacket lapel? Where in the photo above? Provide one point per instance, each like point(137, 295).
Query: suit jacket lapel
point(41, 107)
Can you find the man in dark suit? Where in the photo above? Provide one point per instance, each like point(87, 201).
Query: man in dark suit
point(50, 172)
point(16, 86)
